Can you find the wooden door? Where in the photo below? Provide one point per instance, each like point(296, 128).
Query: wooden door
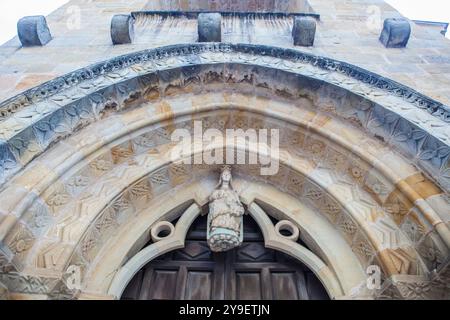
point(250, 272)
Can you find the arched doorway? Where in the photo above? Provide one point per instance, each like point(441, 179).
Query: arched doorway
point(250, 272)
point(347, 140)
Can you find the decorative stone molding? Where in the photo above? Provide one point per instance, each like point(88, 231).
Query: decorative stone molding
point(95, 71)
point(395, 33)
point(125, 274)
point(392, 112)
point(105, 231)
point(6, 259)
point(304, 31)
point(272, 240)
point(209, 27)
point(33, 31)
point(33, 287)
point(403, 287)
point(122, 29)
point(18, 283)
point(129, 208)
point(233, 6)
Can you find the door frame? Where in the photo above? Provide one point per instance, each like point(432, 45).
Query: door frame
point(272, 240)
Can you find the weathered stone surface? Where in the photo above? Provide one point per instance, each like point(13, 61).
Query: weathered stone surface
point(232, 5)
point(343, 36)
point(361, 155)
point(209, 27)
point(4, 293)
point(381, 121)
point(122, 29)
point(225, 222)
point(395, 33)
point(33, 31)
point(304, 31)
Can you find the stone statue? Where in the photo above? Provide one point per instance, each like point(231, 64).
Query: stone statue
point(225, 218)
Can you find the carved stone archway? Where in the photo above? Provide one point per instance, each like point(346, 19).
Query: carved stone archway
point(251, 270)
point(84, 155)
point(273, 240)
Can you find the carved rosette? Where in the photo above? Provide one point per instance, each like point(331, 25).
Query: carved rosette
point(225, 218)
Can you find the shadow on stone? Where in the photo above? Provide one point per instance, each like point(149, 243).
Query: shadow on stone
point(396, 33)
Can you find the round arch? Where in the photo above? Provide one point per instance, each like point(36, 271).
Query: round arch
point(78, 150)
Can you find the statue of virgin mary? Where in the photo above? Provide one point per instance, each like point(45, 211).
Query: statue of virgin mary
point(225, 218)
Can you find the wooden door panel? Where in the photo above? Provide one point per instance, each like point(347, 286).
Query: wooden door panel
point(163, 285)
point(199, 285)
point(248, 286)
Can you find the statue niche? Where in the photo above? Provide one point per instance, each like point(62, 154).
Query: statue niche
point(225, 218)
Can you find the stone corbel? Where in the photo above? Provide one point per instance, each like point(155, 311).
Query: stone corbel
point(122, 29)
point(33, 31)
point(209, 27)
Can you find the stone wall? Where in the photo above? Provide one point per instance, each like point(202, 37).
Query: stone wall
point(343, 33)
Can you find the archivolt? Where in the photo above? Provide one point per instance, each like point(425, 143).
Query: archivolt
point(39, 117)
point(63, 207)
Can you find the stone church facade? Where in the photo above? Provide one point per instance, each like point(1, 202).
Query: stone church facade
point(94, 205)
